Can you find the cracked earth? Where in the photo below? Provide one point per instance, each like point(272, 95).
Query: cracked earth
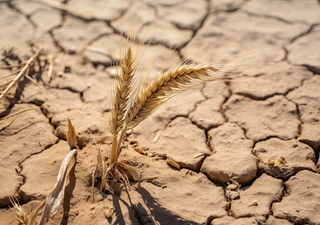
point(245, 149)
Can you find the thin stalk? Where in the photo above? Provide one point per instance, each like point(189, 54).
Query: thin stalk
point(20, 74)
point(114, 154)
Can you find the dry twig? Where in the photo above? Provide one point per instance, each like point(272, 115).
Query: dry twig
point(98, 50)
point(50, 67)
point(21, 111)
point(20, 73)
point(33, 81)
point(12, 66)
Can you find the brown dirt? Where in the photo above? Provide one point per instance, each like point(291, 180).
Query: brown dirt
point(219, 134)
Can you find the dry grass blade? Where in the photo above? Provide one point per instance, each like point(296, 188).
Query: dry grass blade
point(50, 67)
point(3, 86)
point(104, 175)
point(71, 136)
point(135, 175)
point(167, 85)
point(54, 199)
point(12, 66)
point(173, 163)
point(8, 78)
point(20, 73)
point(92, 184)
point(98, 50)
point(21, 111)
point(33, 81)
point(98, 171)
point(268, 125)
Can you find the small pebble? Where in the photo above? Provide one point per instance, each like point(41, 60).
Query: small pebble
point(108, 212)
point(232, 186)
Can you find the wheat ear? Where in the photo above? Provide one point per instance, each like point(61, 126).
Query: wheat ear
point(121, 95)
point(167, 85)
point(121, 98)
point(22, 217)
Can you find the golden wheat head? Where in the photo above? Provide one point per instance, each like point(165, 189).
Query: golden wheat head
point(167, 85)
point(121, 94)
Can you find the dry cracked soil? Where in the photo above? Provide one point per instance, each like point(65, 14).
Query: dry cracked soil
point(246, 148)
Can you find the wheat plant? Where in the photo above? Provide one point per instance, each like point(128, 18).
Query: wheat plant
point(135, 98)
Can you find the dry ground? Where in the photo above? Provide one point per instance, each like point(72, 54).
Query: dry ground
point(217, 133)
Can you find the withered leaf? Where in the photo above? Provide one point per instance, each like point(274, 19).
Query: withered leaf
point(173, 163)
point(54, 199)
point(71, 136)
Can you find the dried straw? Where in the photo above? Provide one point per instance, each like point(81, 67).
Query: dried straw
point(20, 74)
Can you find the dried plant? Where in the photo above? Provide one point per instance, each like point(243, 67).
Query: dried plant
point(21, 215)
point(54, 199)
point(133, 102)
point(9, 85)
point(123, 96)
point(134, 98)
point(120, 100)
point(122, 92)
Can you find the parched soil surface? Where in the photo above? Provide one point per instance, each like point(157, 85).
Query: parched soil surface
point(260, 132)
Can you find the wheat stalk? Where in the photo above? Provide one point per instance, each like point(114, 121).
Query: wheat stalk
point(132, 104)
point(120, 100)
point(121, 95)
point(167, 85)
point(134, 100)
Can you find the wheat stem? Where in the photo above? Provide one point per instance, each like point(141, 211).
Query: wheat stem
point(114, 149)
point(120, 101)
